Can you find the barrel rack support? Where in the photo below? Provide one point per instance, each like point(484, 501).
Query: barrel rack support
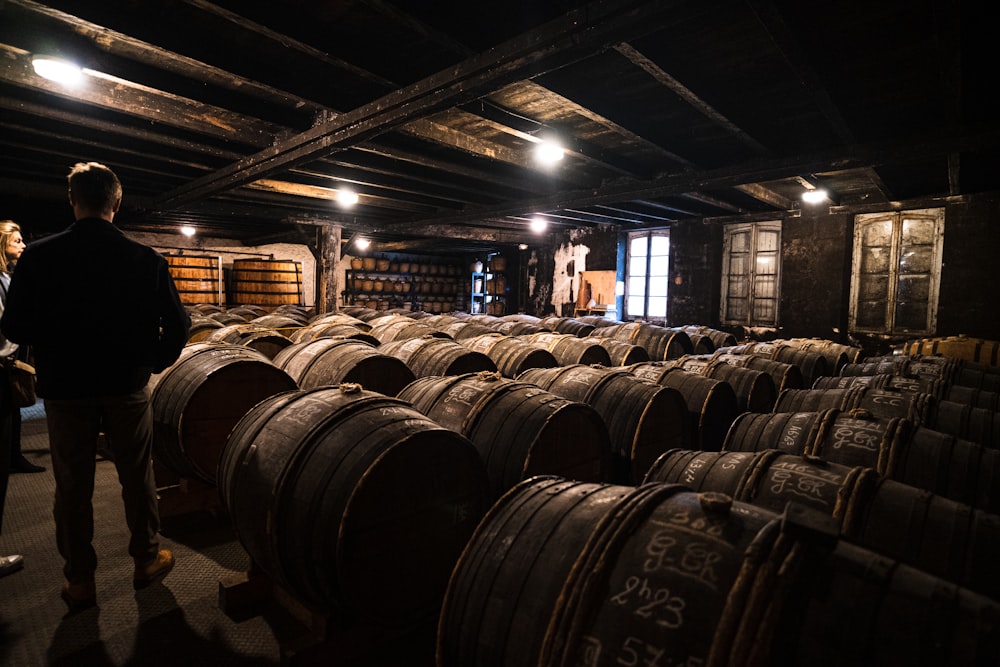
point(177, 496)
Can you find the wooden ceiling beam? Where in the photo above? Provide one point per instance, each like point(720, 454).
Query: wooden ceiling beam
point(107, 92)
point(568, 39)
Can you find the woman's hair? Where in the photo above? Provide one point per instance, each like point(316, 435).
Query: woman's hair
point(94, 186)
point(7, 229)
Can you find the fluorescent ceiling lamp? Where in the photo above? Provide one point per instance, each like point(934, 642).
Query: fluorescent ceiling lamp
point(814, 196)
point(539, 225)
point(362, 244)
point(549, 152)
point(60, 71)
point(347, 197)
point(187, 230)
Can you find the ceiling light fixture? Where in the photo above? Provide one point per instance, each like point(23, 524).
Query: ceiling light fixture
point(55, 69)
point(538, 224)
point(362, 243)
point(188, 230)
point(347, 198)
point(549, 152)
point(814, 196)
point(522, 246)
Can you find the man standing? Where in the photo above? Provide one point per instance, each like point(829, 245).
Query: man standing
point(102, 314)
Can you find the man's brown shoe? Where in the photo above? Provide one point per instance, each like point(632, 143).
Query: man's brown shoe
point(154, 570)
point(79, 596)
point(10, 564)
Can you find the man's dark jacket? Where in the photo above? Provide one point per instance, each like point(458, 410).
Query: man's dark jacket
point(99, 311)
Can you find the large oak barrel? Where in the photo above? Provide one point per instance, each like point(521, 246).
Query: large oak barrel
point(569, 349)
point(512, 355)
point(784, 375)
point(399, 327)
point(712, 404)
point(519, 429)
point(265, 341)
point(267, 282)
point(963, 471)
point(977, 350)
point(198, 400)
point(198, 279)
point(567, 325)
point(644, 419)
point(621, 353)
point(690, 578)
point(948, 539)
point(810, 363)
point(352, 501)
point(660, 343)
point(430, 355)
point(330, 360)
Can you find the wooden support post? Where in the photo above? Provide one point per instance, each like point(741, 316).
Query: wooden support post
point(328, 284)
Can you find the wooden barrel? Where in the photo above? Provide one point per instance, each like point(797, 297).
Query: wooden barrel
point(465, 330)
point(977, 350)
point(784, 375)
point(569, 349)
point(352, 501)
point(333, 330)
point(329, 361)
point(948, 539)
point(711, 404)
point(201, 328)
point(960, 470)
point(198, 279)
point(512, 355)
point(226, 318)
point(921, 409)
point(198, 400)
point(514, 328)
point(403, 328)
point(567, 325)
point(622, 353)
point(701, 343)
point(660, 343)
point(966, 421)
point(717, 337)
point(265, 341)
point(519, 429)
point(644, 419)
point(623, 571)
point(430, 355)
point(836, 354)
point(521, 561)
point(267, 282)
point(755, 389)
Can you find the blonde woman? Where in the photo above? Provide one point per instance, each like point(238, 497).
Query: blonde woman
point(11, 245)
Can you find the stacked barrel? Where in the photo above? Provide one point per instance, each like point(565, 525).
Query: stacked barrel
point(574, 492)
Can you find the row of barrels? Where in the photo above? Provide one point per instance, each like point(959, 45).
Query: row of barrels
point(290, 477)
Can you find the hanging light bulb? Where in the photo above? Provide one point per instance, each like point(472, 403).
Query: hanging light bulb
point(55, 69)
point(549, 152)
point(814, 196)
point(347, 198)
point(538, 224)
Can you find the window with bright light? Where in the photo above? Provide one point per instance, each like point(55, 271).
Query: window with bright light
point(896, 271)
point(647, 275)
point(751, 274)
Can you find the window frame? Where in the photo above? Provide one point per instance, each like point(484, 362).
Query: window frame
point(861, 221)
point(649, 235)
point(729, 232)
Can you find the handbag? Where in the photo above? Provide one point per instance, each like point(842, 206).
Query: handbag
point(22, 384)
